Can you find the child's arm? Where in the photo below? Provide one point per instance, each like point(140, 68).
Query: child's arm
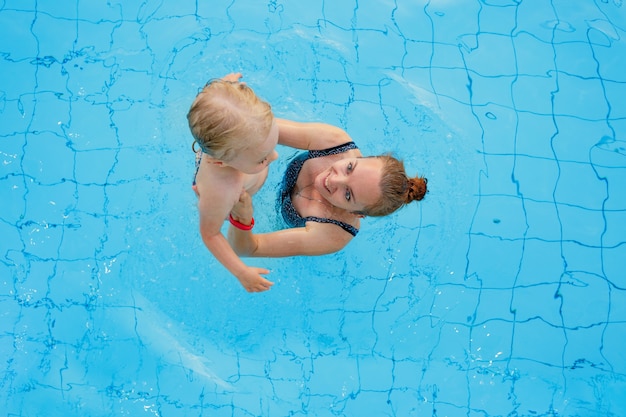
point(212, 213)
point(310, 135)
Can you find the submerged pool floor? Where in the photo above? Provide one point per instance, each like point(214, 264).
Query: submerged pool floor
point(502, 293)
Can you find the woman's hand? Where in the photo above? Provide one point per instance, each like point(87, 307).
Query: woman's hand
point(242, 241)
point(233, 77)
point(243, 210)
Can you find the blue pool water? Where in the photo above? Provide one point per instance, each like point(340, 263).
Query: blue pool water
point(503, 293)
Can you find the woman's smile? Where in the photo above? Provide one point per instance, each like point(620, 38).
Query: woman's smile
point(326, 183)
point(322, 183)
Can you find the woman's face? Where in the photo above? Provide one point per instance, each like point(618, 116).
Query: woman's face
point(352, 183)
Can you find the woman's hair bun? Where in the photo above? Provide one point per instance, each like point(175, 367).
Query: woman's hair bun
point(417, 189)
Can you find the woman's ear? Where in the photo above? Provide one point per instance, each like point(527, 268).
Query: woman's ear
point(359, 214)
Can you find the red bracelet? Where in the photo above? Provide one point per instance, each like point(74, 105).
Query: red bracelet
point(239, 225)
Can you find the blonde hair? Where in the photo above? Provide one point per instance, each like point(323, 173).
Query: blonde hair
point(226, 116)
point(397, 189)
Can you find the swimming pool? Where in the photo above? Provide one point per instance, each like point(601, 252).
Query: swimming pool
point(501, 294)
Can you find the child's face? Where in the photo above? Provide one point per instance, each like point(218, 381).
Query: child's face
point(257, 156)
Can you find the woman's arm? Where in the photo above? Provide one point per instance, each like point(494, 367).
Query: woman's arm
point(313, 239)
point(310, 136)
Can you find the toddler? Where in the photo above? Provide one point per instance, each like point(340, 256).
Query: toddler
point(236, 134)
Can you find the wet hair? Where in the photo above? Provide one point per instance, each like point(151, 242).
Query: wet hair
point(397, 189)
point(226, 116)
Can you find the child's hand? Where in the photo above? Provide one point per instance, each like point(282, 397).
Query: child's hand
point(233, 77)
point(252, 281)
point(243, 210)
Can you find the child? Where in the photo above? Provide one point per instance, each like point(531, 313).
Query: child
point(236, 133)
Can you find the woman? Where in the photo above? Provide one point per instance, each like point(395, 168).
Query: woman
point(325, 193)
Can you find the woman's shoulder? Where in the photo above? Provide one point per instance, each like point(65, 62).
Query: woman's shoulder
point(311, 135)
point(333, 235)
point(335, 150)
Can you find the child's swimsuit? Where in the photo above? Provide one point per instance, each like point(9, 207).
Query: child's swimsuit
point(291, 216)
point(195, 175)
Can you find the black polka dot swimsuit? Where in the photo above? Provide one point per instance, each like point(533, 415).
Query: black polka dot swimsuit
point(291, 216)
